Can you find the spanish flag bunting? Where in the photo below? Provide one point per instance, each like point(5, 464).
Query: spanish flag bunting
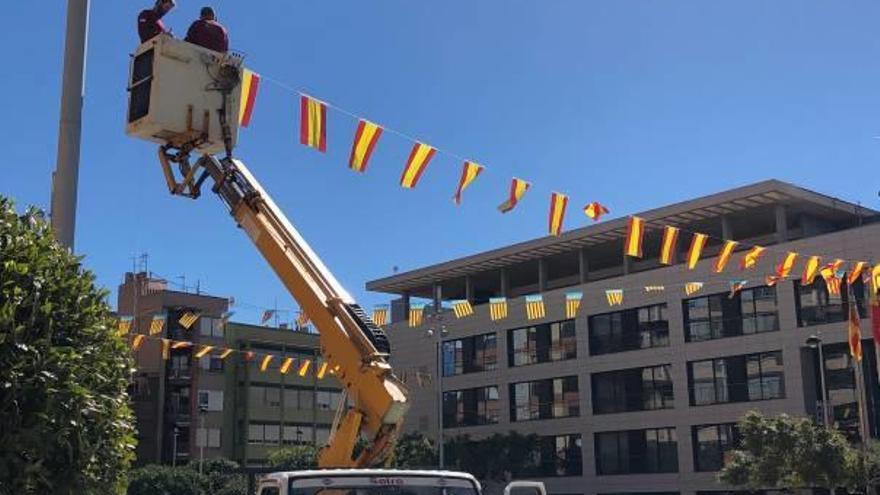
point(654, 288)
point(634, 236)
point(158, 324)
point(166, 349)
point(698, 242)
point(264, 364)
point(692, 288)
point(856, 272)
point(771, 280)
point(124, 325)
point(558, 204)
point(416, 164)
point(724, 256)
point(250, 84)
point(518, 188)
point(497, 308)
point(614, 297)
point(875, 279)
point(783, 269)
point(249, 356)
point(188, 319)
point(668, 245)
point(416, 314)
point(595, 210)
point(736, 286)
point(313, 123)
point(469, 173)
point(304, 368)
point(225, 354)
point(462, 308)
point(832, 282)
point(180, 345)
point(137, 342)
point(855, 331)
point(573, 303)
point(365, 138)
point(204, 351)
point(322, 371)
point(380, 315)
point(535, 307)
point(751, 258)
point(285, 365)
point(811, 269)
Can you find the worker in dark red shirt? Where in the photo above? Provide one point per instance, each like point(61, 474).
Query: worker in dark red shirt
point(209, 33)
point(150, 20)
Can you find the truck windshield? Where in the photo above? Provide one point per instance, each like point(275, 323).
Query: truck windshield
point(390, 485)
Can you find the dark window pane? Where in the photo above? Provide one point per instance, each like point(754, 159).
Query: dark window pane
point(638, 328)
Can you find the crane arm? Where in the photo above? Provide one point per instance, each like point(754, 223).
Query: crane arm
point(353, 345)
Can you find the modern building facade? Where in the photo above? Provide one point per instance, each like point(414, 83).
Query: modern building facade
point(188, 407)
point(641, 397)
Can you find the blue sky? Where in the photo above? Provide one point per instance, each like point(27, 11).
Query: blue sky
point(630, 102)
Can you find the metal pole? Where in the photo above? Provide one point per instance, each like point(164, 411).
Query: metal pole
point(66, 175)
point(174, 449)
point(440, 446)
point(825, 416)
point(202, 443)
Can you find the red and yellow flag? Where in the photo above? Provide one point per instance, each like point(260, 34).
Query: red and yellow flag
point(856, 272)
point(469, 173)
point(250, 84)
point(810, 270)
point(285, 365)
point(304, 368)
point(750, 259)
point(203, 351)
point(518, 188)
point(558, 204)
point(875, 280)
point(322, 371)
point(698, 242)
point(668, 245)
point(225, 354)
point(264, 364)
point(137, 342)
point(365, 139)
point(634, 236)
point(783, 269)
point(724, 256)
point(313, 123)
point(832, 282)
point(855, 332)
point(595, 210)
point(416, 164)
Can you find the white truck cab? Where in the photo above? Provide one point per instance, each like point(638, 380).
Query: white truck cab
point(382, 482)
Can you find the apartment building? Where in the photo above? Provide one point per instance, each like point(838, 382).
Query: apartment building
point(188, 408)
point(641, 397)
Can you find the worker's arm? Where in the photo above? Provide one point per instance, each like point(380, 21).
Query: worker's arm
point(349, 339)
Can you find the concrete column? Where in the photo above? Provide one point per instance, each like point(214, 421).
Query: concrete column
point(542, 275)
point(438, 297)
point(469, 288)
point(726, 228)
point(627, 264)
point(405, 297)
point(583, 265)
point(781, 223)
point(505, 283)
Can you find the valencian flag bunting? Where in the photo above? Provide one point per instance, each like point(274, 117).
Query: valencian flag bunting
point(203, 351)
point(811, 269)
point(497, 308)
point(322, 370)
point(736, 286)
point(614, 297)
point(416, 314)
point(595, 210)
point(832, 281)
point(188, 319)
point(250, 84)
point(137, 342)
point(875, 327)
point(380, 315)
point(535, 307)
point(724, 256)
point(416, 164)
point(634, 236)
point(304, 368)
point(313, 123)
point(654, 288)
point(518, 188)
point(750, 259)
point(225, 354)
point(558, 204)
point(855, 331)
point(668, 245)
point(573, 303)
point(157, 325)
point(856, 272)
point(124, 325)
point(771, 280)
point(462, 308)
point(698, 242)
point(469, 173)
point(181, 344)
point(783, 269)
point(365, 139)
point(285, 365)
point(692, 288)
point(264, 364)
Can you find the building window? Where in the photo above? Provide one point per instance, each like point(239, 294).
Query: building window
point(843, 394)
point(328, 400)
point(208, 437)
point(211, 327)
point(470, 355)
point(711, 445)
point(816, 306)
point(637, 389)
point(542, 343)
point(736, 379)
point(638, 328)
point(544, 399)
point(211, 363)
point(267, 434)
point(718, 315)
point(560, 456)
point(211, 400)
point(637, 451)
point(471, 407)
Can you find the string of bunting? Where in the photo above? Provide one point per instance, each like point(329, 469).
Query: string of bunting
point(313, 134)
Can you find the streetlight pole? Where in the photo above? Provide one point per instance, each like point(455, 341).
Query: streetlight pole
point(815, 342)
point(174, 448)
point(204, 439)
point(437, 330)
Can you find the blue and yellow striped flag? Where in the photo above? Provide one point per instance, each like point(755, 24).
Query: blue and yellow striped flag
point(498, 308)
point(124, 325)
point(416, 314)
point(158, 324)
point(572, 303)
point(380, 315)
point(535, 307)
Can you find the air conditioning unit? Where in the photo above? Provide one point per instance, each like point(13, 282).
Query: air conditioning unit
point(174, 94)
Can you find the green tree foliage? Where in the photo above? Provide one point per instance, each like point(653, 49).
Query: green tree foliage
point(65, 422)
point(294, 458)
point(498, 457)
point(414, 451)
point(787, 453)
point(222, 477)
point(167, 480)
